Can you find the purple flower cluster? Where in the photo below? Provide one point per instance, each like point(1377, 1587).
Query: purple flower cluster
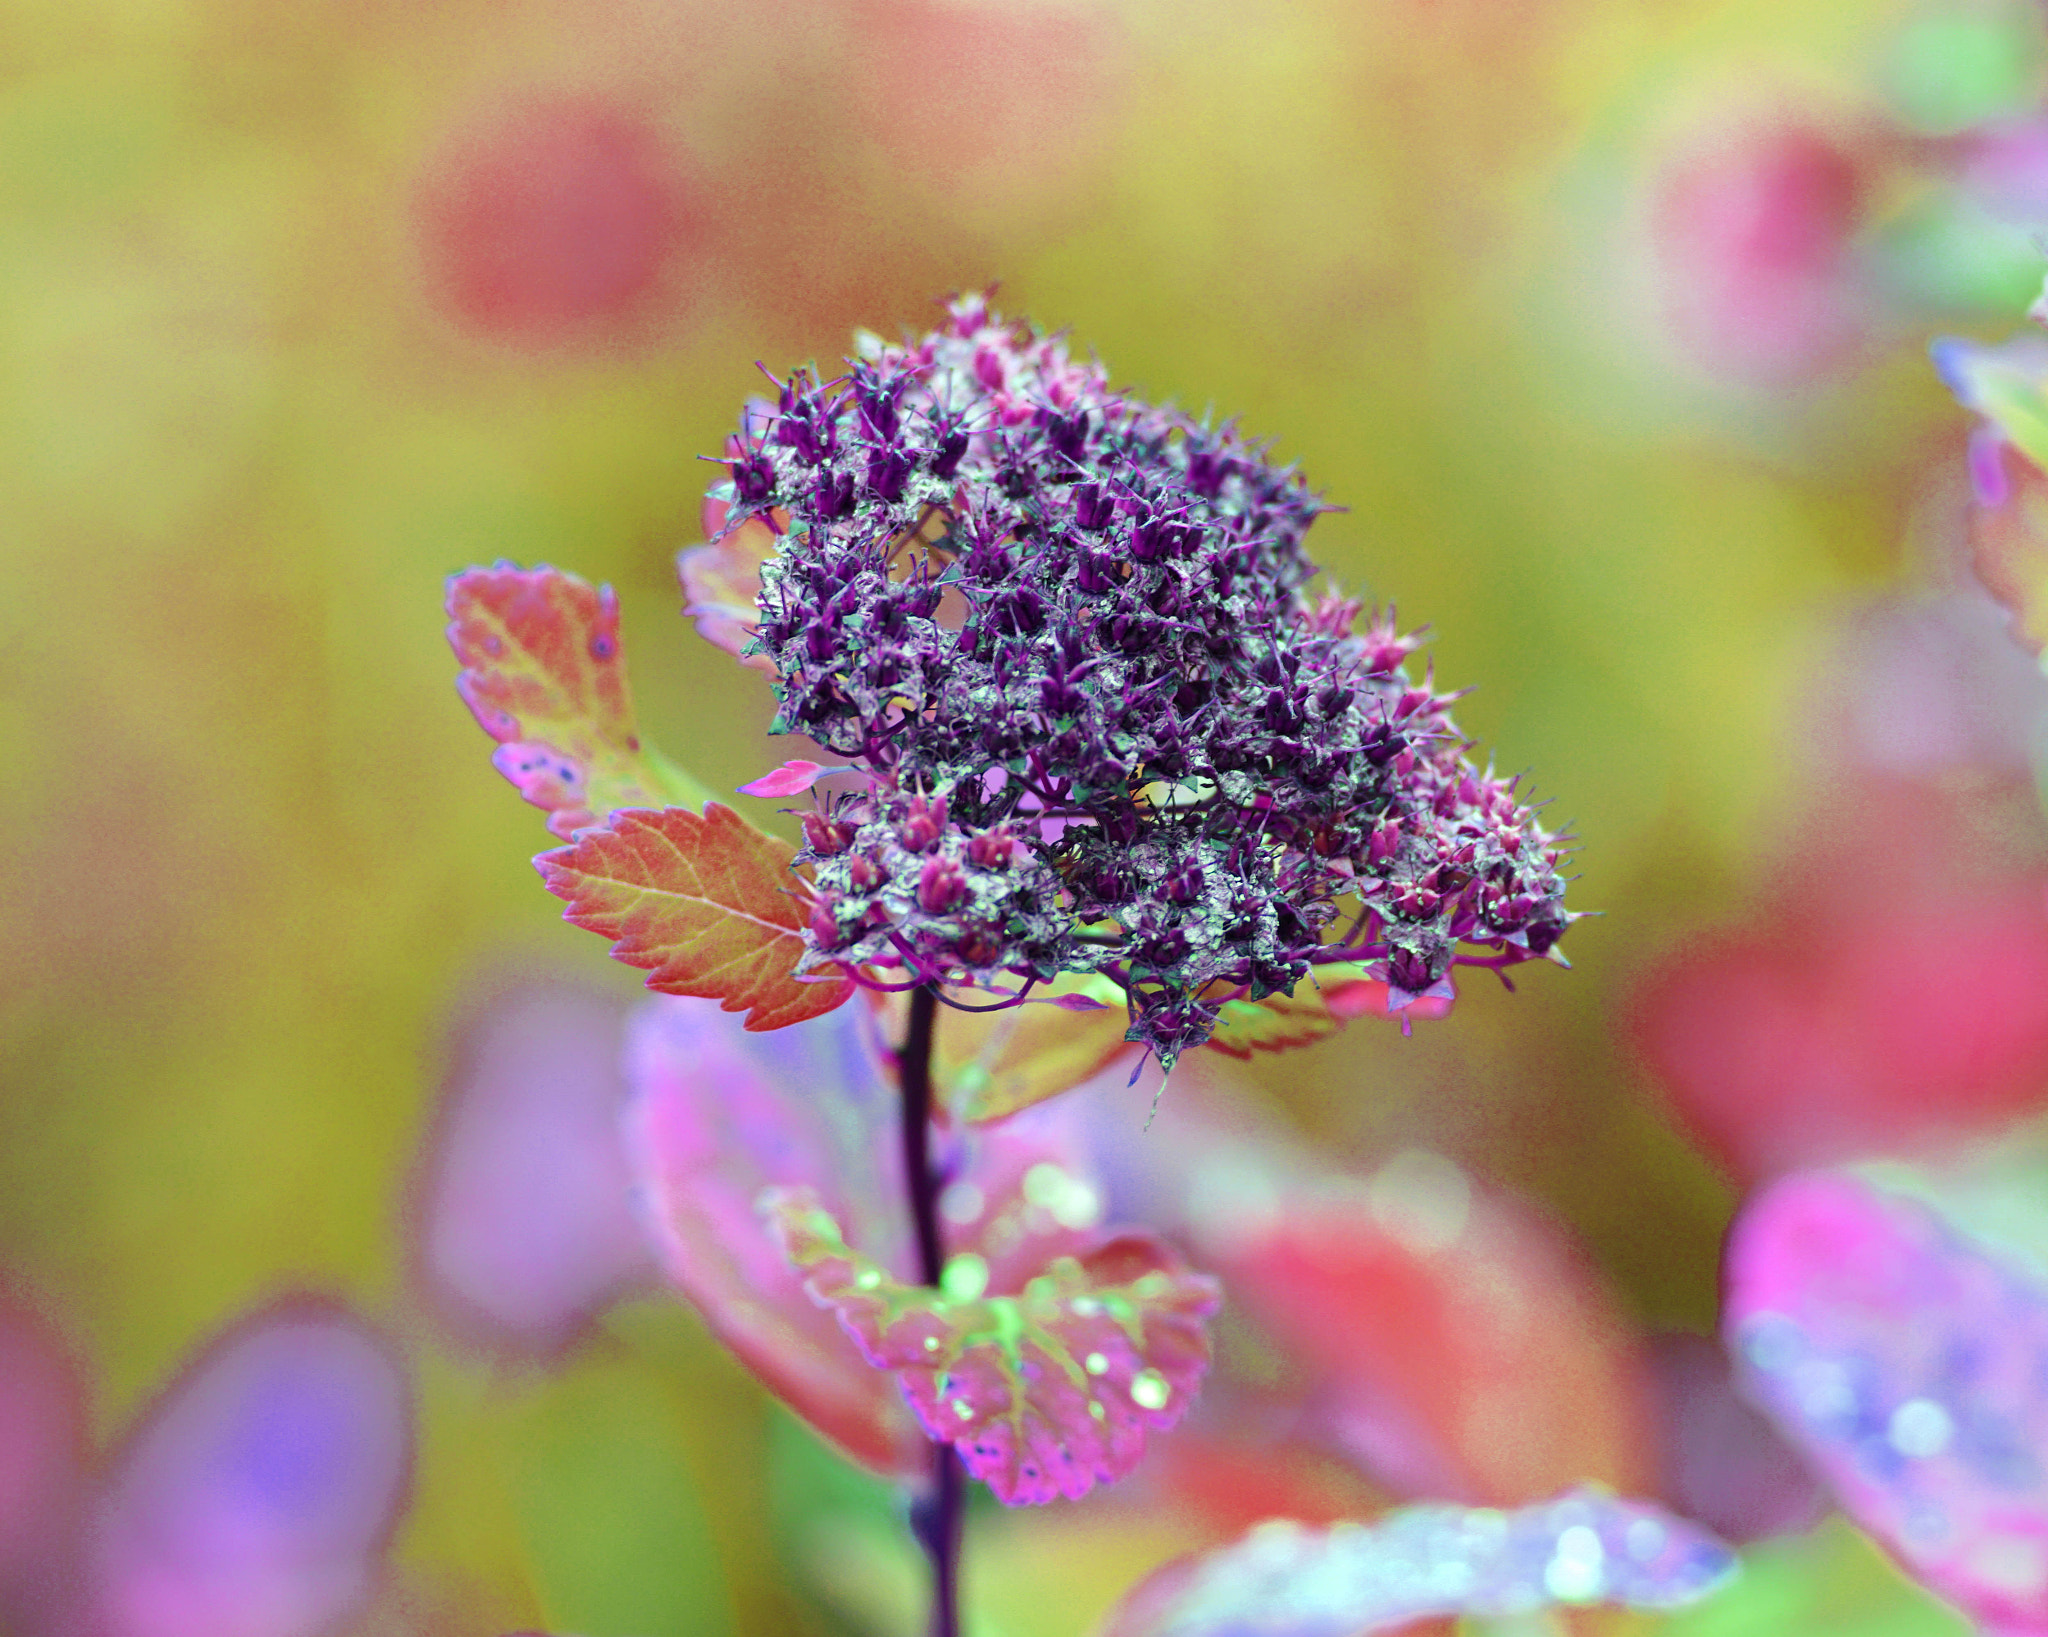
point(1068, 636)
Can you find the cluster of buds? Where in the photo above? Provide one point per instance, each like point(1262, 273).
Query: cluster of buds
point(1030, 606)
point(900, 884)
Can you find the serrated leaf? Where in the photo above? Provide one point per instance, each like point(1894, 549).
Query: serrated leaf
point(722, 582)
point(990, 1065)
point(1322, 1003)
point(1044, 1393)
point(543, 672)
point(1422, 1562)
point(703, 904)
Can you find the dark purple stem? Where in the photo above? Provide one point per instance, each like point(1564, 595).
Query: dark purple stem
point(937, 1516)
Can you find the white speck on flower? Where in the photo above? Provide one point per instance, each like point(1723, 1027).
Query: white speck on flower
point(963, 1409)
point(1096, 1364)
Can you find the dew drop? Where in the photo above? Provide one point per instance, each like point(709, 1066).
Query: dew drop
point(965, 1277)
point(1096, 1364)
point(1577, 1570)
point(1919, 1428)
point(1149, 1390)
point(963, 1409)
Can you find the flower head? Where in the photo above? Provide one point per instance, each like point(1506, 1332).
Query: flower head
point(1106, 728)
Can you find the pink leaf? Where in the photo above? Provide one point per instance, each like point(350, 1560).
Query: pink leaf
point(1284, 1580)
point(1044, 1393)
point(526, 1228)
point(1904, 1359)
point(790, 779)
point(717, 1115)
point(256, 1499)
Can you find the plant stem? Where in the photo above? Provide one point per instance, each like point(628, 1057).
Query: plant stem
point(936, 1518)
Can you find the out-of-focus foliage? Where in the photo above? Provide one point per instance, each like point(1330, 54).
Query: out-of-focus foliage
point(1606, 320)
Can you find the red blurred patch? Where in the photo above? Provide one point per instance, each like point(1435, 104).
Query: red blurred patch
point(1465, 1351)
point(1750, 223)
point(555, 222)
point(42, 1461)
point(1879, 1026)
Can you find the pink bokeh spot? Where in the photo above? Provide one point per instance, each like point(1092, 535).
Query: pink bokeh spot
point(1911, 1020)
point(527, 1225)
point(556, 219)
point(1750, 225)
point(255, 1500)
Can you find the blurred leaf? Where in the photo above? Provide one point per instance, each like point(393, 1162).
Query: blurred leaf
point(1284, 1580)
point(702, 903)
point(989, 1065)
point(259, 1493)
point(1903, 1358)
point(1044, 1393)
point(1459, 1341)
point(723, 584)
point(542, 670)
point(719, 1113)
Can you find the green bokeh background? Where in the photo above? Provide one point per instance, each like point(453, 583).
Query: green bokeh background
point(253, 850)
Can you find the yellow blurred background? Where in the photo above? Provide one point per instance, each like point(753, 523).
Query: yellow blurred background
point(275, 359)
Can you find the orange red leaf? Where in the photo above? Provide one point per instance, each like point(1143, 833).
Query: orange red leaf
point(704, 904)
point(543, 672)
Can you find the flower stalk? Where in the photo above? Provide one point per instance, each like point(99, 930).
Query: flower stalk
point(937, 1516)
